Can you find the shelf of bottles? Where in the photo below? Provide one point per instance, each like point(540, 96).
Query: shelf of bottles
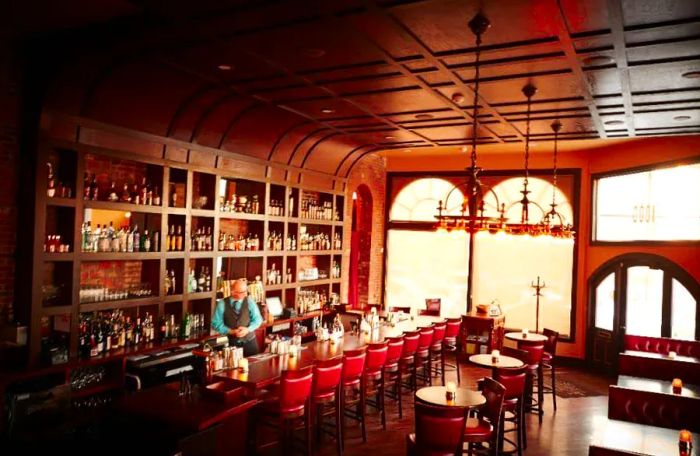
point(126, 235)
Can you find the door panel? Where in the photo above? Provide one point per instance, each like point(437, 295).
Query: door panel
point(603, 353)
point(644, 301)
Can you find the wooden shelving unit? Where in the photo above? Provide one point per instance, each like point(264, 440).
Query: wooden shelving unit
point(200, 193)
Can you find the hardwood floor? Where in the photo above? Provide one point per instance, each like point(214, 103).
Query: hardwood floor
point(566, 432)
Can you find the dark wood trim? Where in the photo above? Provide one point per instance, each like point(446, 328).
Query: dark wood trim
point(666, 305)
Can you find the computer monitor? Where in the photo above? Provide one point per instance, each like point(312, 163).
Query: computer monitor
point(274, 306)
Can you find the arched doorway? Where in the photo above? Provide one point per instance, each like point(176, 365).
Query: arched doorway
point(360, 246)
point(640, 294)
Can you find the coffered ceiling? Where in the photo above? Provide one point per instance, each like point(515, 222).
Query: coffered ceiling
point(321, 84)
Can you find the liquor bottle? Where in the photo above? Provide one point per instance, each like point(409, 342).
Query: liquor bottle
point(171, 239)
point(201, 281)
point(94, 189)
point(179, 239)
point(162, 329)
point(192, 283)
point(87, 190)
point(290, 209)
point(173, 195)
point(156, 241)
point(130, 241)
point(146, 241)
point(50, 182)
point(135, 195)
point(137, 331)
point(210, 239)
point(143, 191)
point(126, 196)
point(207, 279)
point(138, 246)
point(222, 241)
point(173, 282)
point(112, 195)
point(156, 196)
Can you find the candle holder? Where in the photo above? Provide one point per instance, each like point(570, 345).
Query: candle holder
point(450, 391)
point(243, 364)
point(671, 354)
point(677, 385)
point(685, 443)
point(495, 356)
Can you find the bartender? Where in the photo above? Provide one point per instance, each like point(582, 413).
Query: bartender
point(237, 317)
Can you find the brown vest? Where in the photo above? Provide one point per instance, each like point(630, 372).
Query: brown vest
point(233, 319)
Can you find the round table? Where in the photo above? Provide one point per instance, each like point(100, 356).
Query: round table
point(435, 395)
point(531, 337)
point(503, 362)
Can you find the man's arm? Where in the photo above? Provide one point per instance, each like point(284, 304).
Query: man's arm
point(255, 318)
point(217, 322)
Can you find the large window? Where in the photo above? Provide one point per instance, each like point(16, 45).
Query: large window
point(657, 205)
point(423, 263)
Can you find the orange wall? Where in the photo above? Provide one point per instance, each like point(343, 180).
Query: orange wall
point(618, 155)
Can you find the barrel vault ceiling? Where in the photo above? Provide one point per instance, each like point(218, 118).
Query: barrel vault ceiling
point(320, 84)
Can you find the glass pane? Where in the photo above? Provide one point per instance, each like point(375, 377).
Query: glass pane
point(683, 308)
point(418, 201)
point(658, 205)
point(605, 303)
point(427, 264)
point(506, 267)
point(509, 193)
point(644, 294)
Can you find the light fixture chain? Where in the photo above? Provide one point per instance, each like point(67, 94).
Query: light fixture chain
point(554, 173)
point(476, 99)
point(527, 141)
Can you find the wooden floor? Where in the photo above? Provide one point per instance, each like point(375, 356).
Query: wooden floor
point(566, 432)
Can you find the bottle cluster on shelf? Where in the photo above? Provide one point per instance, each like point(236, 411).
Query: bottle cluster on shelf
point(199, 283)
point(241, 204)
point(315, 210)
point(319, 241)
point(276, 208)
point(98, 293)
point(106, 238)
point(55, 188)
point(275, 241)
point(53, 244)
point(124, 192)
point(102, 332)
point(275, 276)
point(231, 242)
point(202, 240)
point(310, 300)
point(86, 377)
point(175, 239)
point(191, 324)
point(335, 270)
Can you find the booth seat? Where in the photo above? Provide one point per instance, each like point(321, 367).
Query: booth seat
point(663, 345)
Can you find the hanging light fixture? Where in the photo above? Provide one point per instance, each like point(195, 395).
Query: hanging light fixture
point(553, 222)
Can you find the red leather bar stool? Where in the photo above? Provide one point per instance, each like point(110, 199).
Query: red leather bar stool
point(352, 389)
point(450, 344)
point(534, 350)
point(286, 406)
point(513, 404)
point(437, 355)
point(523, 356)
point(326, 397)
point(439, 431)
point(425, 340)
point(550, 349)
point(392, 370)
point(407, 364)
point(485, 428)
point(373, 378)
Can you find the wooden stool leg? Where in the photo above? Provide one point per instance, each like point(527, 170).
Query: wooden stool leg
point(398, 393)
point(381, 401)
point(307, 425)
point(442, 366)
point(339, 423)
point(554, 386)
point(540, 393)
point(363, 407)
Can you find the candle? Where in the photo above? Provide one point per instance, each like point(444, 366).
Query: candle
point(677, 385)
point(685, 442)
point(671, 354)
point(525, 333)
point(243, 364)
point(292, 351)
point(450, 391)
point(495, 356)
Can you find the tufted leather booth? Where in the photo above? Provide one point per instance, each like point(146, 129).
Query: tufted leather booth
point(663, 345)
point(639, 365)
point(654, 409)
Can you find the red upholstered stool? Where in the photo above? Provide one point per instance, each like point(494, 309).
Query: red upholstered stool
point(373, 377)
point(513, 403)
point(352, 393)
point(288, 405)
point(425, 340)
point(437, 355)
point(485, 428)
point(550, 350)
point(439, 431)
point(450, 344)
point(392, 370)
point(326, 397)
point(534, 350)
point(407, 365)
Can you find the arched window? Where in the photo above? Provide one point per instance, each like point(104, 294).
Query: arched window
point(418, 201)
point(509, 193)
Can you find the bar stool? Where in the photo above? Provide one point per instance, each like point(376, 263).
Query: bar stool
point(485, 428)
point(450, 344)
point(523, 356)
point(534, 367)
point(392, 370)
point(286, 405)
point(439, 431)
point(437, 355)
point(513, 402)
point(550, 349)
point(326, 397)
point(407, 364)
point(352, 389)
point(373, 378)
point(422, 361)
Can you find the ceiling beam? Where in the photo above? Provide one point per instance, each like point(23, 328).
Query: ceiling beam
point(618, 38)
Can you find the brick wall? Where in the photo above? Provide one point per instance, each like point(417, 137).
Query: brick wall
point(370, 171)
point(9, 170)
point(113, 274)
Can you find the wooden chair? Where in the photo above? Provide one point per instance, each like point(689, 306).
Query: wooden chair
point(550, 349)
point(438, 431)
point(485, 428)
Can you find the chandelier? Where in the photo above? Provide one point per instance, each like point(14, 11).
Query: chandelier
point(470, 217)
point(554, 223)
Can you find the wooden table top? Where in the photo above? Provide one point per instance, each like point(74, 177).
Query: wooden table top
point(657, 386)
point(435, 395)
point(487, 361)
point(638, 438)
point(186, 414)
point(531, 337)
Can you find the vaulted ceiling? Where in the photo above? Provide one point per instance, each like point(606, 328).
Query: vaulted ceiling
point(321, 84)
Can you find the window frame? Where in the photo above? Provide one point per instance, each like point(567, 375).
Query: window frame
point(595, 177)
point(544, 173)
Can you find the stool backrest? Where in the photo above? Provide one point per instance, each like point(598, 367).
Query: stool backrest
point(439, 330)
point(376, 356)
point(295, 387)
point(426, 338)
point(353, 363)
point(513, 380)
point(395, 349)
point(516, 353)
point(453, 325)
point(550, 345)
point(494, 393)
point(410, 342)
point(534, 351)
point(327, 375)
point(439, 430)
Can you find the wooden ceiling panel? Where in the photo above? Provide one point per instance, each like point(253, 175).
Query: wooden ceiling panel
point(604, 82)
point(394, 102)
point(662, 97)
point(548, 88)
point(676, 49)
point(637, 12)
point(192, 109)
point(214, 123)
point(442, 133)
point(509, 54)
point(508, 70)
point(360, 86)
point(663, 77)
point(671, 32)
point(671, 119)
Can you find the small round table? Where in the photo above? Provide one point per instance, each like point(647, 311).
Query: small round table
point(435, 395)
point(503, 362)
point(531, 337)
